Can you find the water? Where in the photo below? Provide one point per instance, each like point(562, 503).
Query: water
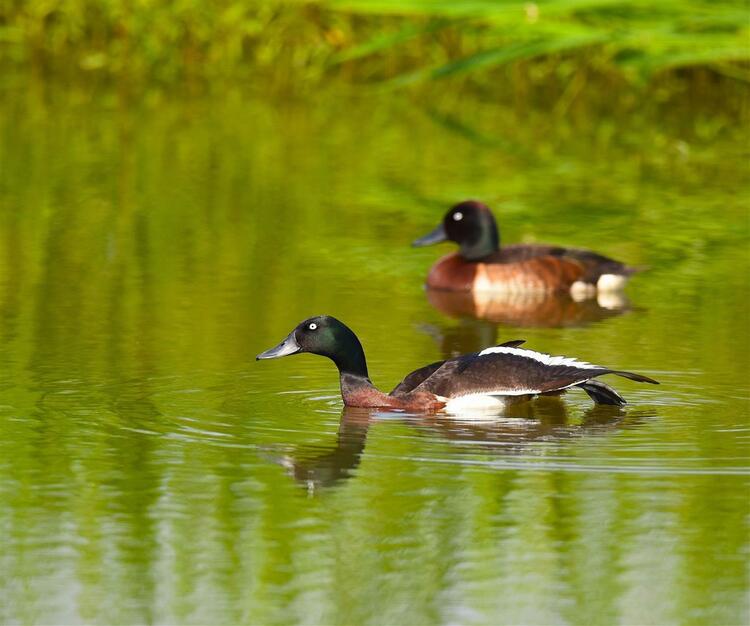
point(152, 472)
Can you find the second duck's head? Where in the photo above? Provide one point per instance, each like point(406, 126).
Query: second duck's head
point(471, 225)
point(326, 336)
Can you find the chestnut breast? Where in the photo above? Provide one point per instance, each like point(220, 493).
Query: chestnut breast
point(369, 397)
point(452, 272)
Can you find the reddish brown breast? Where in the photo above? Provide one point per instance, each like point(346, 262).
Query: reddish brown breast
point(422, 401)
point(452, 272)
point(367, 397)
point(372, 398)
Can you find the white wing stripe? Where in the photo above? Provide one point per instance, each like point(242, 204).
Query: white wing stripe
point(539, 357)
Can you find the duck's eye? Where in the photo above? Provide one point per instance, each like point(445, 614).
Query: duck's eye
point(458, 216)
point(313, 326)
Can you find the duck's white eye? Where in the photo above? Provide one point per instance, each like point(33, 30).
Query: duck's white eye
point(313, 326)
point(458, 216)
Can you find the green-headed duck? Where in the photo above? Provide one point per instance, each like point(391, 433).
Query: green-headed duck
point(492, 377)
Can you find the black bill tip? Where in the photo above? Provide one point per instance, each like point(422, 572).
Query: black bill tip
point(436, 236)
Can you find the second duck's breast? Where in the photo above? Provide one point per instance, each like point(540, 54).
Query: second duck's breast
point(452, 272)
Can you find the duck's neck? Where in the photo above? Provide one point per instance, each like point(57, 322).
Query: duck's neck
point(485, 243)
point(357, 390)
point(356, 387)
point(350, 357)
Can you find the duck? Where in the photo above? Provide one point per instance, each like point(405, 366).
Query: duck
point(482, 265)
point(487, 379)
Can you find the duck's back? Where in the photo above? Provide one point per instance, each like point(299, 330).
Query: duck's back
point(440, 375)
point(506, 371)
point(594, 264)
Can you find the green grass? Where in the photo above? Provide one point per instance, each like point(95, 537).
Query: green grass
point(371, 41)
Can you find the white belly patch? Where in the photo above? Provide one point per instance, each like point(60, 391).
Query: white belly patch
point(481, 402)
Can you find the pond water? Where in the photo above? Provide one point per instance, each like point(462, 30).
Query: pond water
point(152, 471)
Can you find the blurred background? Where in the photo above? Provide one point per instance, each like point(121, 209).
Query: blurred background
point(181, 183)
point(296, 44)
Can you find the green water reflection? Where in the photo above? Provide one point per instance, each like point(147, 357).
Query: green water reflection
point(151, 471)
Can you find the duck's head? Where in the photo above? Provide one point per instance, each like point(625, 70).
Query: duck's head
point(471, 225)
point(326, 336)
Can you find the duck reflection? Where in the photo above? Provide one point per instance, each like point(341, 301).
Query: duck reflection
point(543, 419)
point(469, 335)
point(480, 314)
point(315, 469)
point(528, 309)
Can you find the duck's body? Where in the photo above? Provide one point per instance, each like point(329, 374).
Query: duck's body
point(482, 265)
point(530, 268)
point(490, 378)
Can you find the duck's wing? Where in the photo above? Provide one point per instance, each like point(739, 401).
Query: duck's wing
point(416, 378)
point(519, 252)
point(513, 372)
point(596, 265)
point(513, 343)
point(592, 264)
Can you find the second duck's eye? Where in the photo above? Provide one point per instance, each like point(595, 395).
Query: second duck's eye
point(313, 326)
point(458, 216)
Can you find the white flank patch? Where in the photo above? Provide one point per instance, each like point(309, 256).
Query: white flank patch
point(611, 282)
point(539, 357)
point(483, 401)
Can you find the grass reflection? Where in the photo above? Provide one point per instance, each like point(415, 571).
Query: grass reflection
point(150, 248)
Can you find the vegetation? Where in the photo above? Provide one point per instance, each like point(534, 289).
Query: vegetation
point(398, 42)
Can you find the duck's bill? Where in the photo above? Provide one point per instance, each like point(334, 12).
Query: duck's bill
point(285, 348)
point(436, 236)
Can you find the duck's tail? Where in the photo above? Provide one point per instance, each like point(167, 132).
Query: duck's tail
point(601, 393)
point(640, 378)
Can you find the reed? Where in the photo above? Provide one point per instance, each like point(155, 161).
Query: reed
point(393, 42)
